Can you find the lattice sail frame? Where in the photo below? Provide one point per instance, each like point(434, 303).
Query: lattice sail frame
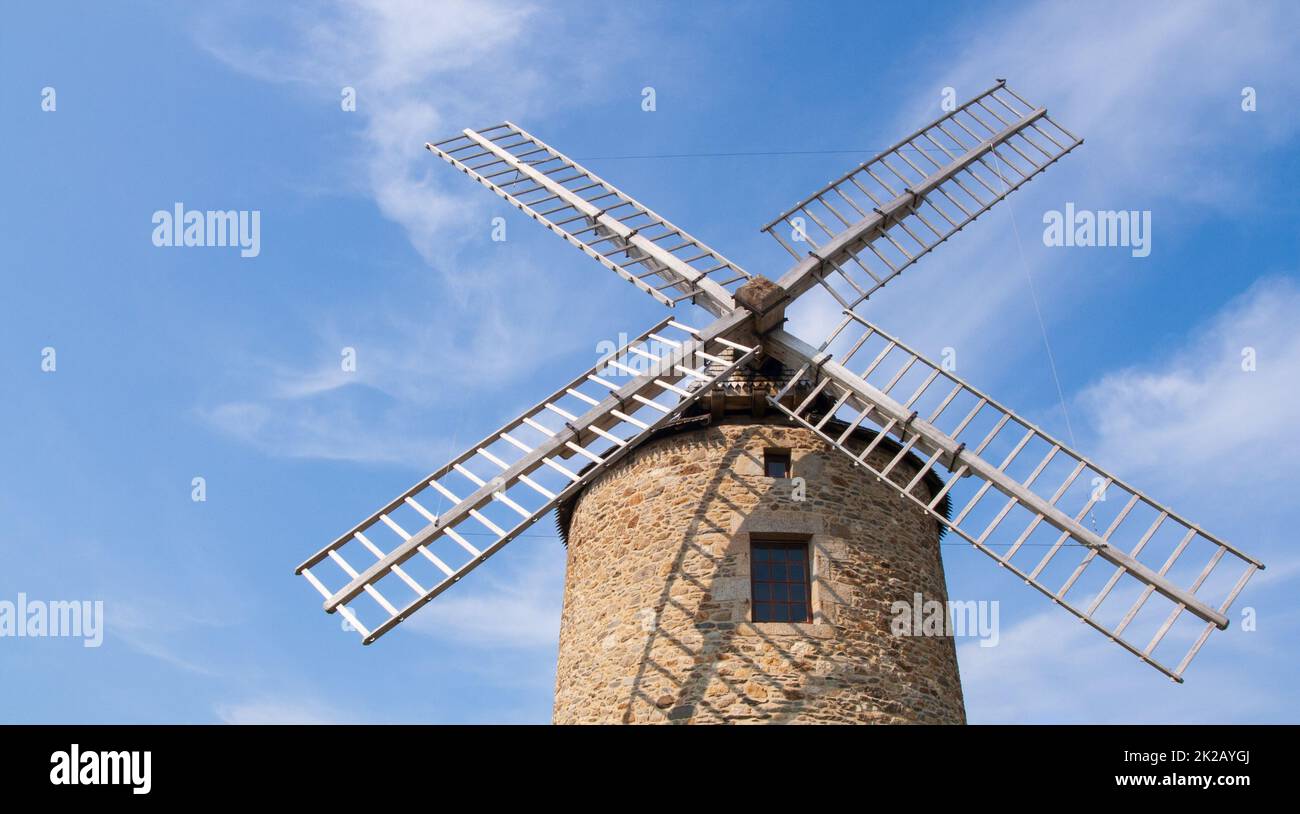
point(502, 485)
point(875, 221)
point(608, 225)
point(864, 229)
point(993, 144)
point(1047, 495)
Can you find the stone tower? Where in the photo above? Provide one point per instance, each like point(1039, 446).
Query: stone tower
point(659, 622)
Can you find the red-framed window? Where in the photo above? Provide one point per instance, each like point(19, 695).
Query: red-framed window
point(779, 581)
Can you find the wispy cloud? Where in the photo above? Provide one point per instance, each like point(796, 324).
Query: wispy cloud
point(1201, 410)
point(1194, 428)
point(295, 429)
point(518, 606)
point(486, 316)
point(421, 71)
point(1160, 131)
point(1052, 668)
point(381, 48)
point(162, 629)
point(1112, 83)
point(267, 710)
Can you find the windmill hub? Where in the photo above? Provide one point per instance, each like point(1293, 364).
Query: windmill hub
point(765, 300)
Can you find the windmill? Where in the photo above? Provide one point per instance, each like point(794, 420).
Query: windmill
point(1140, 574)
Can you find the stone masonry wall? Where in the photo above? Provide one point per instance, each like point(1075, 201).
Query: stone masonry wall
point(656, 615)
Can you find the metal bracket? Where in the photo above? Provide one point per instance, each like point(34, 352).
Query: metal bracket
point(956, 453)
point(577, 435)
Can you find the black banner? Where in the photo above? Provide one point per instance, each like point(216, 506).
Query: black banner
point(335, 763)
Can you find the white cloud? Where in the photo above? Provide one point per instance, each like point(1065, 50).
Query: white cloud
point(1199, 412)
point(486, 317)
point(423, 71)
point(1052, 668)
point(278, 711)
point(300, 430)
point(162, 628)
point(1195, 425)
point(1161, 133)
point(517, 606)
point(1130, 79)
point(414, 380)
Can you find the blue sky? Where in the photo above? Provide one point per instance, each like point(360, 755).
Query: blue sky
point(176, 363)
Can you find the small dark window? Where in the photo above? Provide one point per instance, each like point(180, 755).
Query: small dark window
point(779, 581)
point(776, 463)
